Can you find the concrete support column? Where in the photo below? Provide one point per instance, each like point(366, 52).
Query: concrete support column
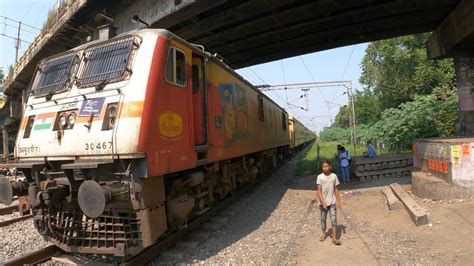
point(6, 152)
point(465, 84)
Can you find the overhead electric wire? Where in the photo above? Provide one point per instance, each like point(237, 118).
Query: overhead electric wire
point(284, 79)
point(14, 38)
point(15, 27)
point(23, 24)
point(353, 46)
point(40, 11)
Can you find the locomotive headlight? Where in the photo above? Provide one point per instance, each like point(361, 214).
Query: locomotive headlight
point(112, 111)
point(63, 120)
point(110, 116)
point(71, 119)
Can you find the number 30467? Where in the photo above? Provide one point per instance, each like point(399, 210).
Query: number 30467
point(98, 146)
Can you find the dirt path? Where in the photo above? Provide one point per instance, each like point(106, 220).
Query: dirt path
point(373, 235)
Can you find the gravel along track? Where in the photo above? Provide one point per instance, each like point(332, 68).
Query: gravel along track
point(19, 239)
point(270, 219)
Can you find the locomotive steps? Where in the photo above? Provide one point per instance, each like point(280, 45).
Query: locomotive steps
point(396, 195)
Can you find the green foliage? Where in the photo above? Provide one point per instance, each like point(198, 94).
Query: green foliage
point(307, 161)
point(446, 110)
point(50, 20)
point(366, 132)
point(336, 134)
point(342, 118)
point(411, 120)
point(367, 107)
point(406, 95)
point(398, 69)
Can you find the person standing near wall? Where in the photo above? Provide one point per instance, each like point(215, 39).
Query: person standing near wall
point(338, 155)
point(344, 160)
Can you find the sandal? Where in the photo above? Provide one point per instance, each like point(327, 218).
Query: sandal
point(336, 242)
point(322, 238)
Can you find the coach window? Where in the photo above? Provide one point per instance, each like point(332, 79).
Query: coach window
point(176, 67)
point(260, 108)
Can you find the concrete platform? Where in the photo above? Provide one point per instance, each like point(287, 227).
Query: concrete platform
point(428, 186)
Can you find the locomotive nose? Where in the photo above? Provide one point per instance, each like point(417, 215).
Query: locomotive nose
point(6, 191)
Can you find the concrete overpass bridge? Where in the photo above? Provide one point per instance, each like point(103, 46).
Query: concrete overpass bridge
point(248, 32)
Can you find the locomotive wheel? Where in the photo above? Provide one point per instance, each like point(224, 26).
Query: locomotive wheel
point(6, 191)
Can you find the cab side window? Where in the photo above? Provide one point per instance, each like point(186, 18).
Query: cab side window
point(175, 71)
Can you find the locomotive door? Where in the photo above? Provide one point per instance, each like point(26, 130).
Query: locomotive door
point(199, 103)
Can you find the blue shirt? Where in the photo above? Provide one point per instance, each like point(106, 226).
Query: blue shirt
point(344, 158)
point(371, 151)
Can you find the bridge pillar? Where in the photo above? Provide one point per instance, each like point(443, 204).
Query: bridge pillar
point(6, 151)
point(454, 37)
point(464, 66)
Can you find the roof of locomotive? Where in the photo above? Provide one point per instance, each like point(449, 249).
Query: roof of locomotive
point(167, 34)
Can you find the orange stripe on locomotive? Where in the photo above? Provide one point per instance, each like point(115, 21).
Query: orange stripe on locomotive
point(171, 129)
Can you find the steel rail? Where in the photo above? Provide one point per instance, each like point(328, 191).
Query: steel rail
point(9, 209)
point(36, 257)
point(14, 220)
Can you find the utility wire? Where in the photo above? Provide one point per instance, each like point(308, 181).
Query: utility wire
point(16, 28)
point(353, 46)
point(14, 38)
point(40, 11)
point(23, 24)
point(284, 79)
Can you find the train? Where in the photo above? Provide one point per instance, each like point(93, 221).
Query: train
point(127, 138)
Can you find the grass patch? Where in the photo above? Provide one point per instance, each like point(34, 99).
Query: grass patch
point(307, 162)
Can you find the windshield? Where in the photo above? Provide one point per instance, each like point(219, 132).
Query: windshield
point(52, 74)
point(105, 61)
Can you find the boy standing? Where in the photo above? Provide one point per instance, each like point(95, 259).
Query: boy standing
point(328, 194)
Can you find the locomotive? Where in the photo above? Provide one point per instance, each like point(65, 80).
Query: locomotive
point(126, 139)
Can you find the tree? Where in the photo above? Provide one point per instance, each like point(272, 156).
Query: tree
point(342, 118)
point(335, 134)
point(398, 69)
point(367, 107)
point(412, 120)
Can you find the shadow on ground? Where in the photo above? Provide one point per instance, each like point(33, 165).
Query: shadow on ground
point(263, 200)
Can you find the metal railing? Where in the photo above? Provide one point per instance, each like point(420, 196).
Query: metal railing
point(105, 61)
point(52, 74)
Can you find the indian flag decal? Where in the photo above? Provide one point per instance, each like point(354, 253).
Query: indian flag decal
point(44, 121)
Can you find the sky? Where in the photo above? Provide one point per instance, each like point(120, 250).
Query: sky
point(330, 65)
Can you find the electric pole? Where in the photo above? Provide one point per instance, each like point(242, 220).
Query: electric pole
point(17, 42)
point(305, 87)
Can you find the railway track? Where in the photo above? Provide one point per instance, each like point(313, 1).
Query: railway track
point(36, 257)
point(46, 254)
point(9, 210)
